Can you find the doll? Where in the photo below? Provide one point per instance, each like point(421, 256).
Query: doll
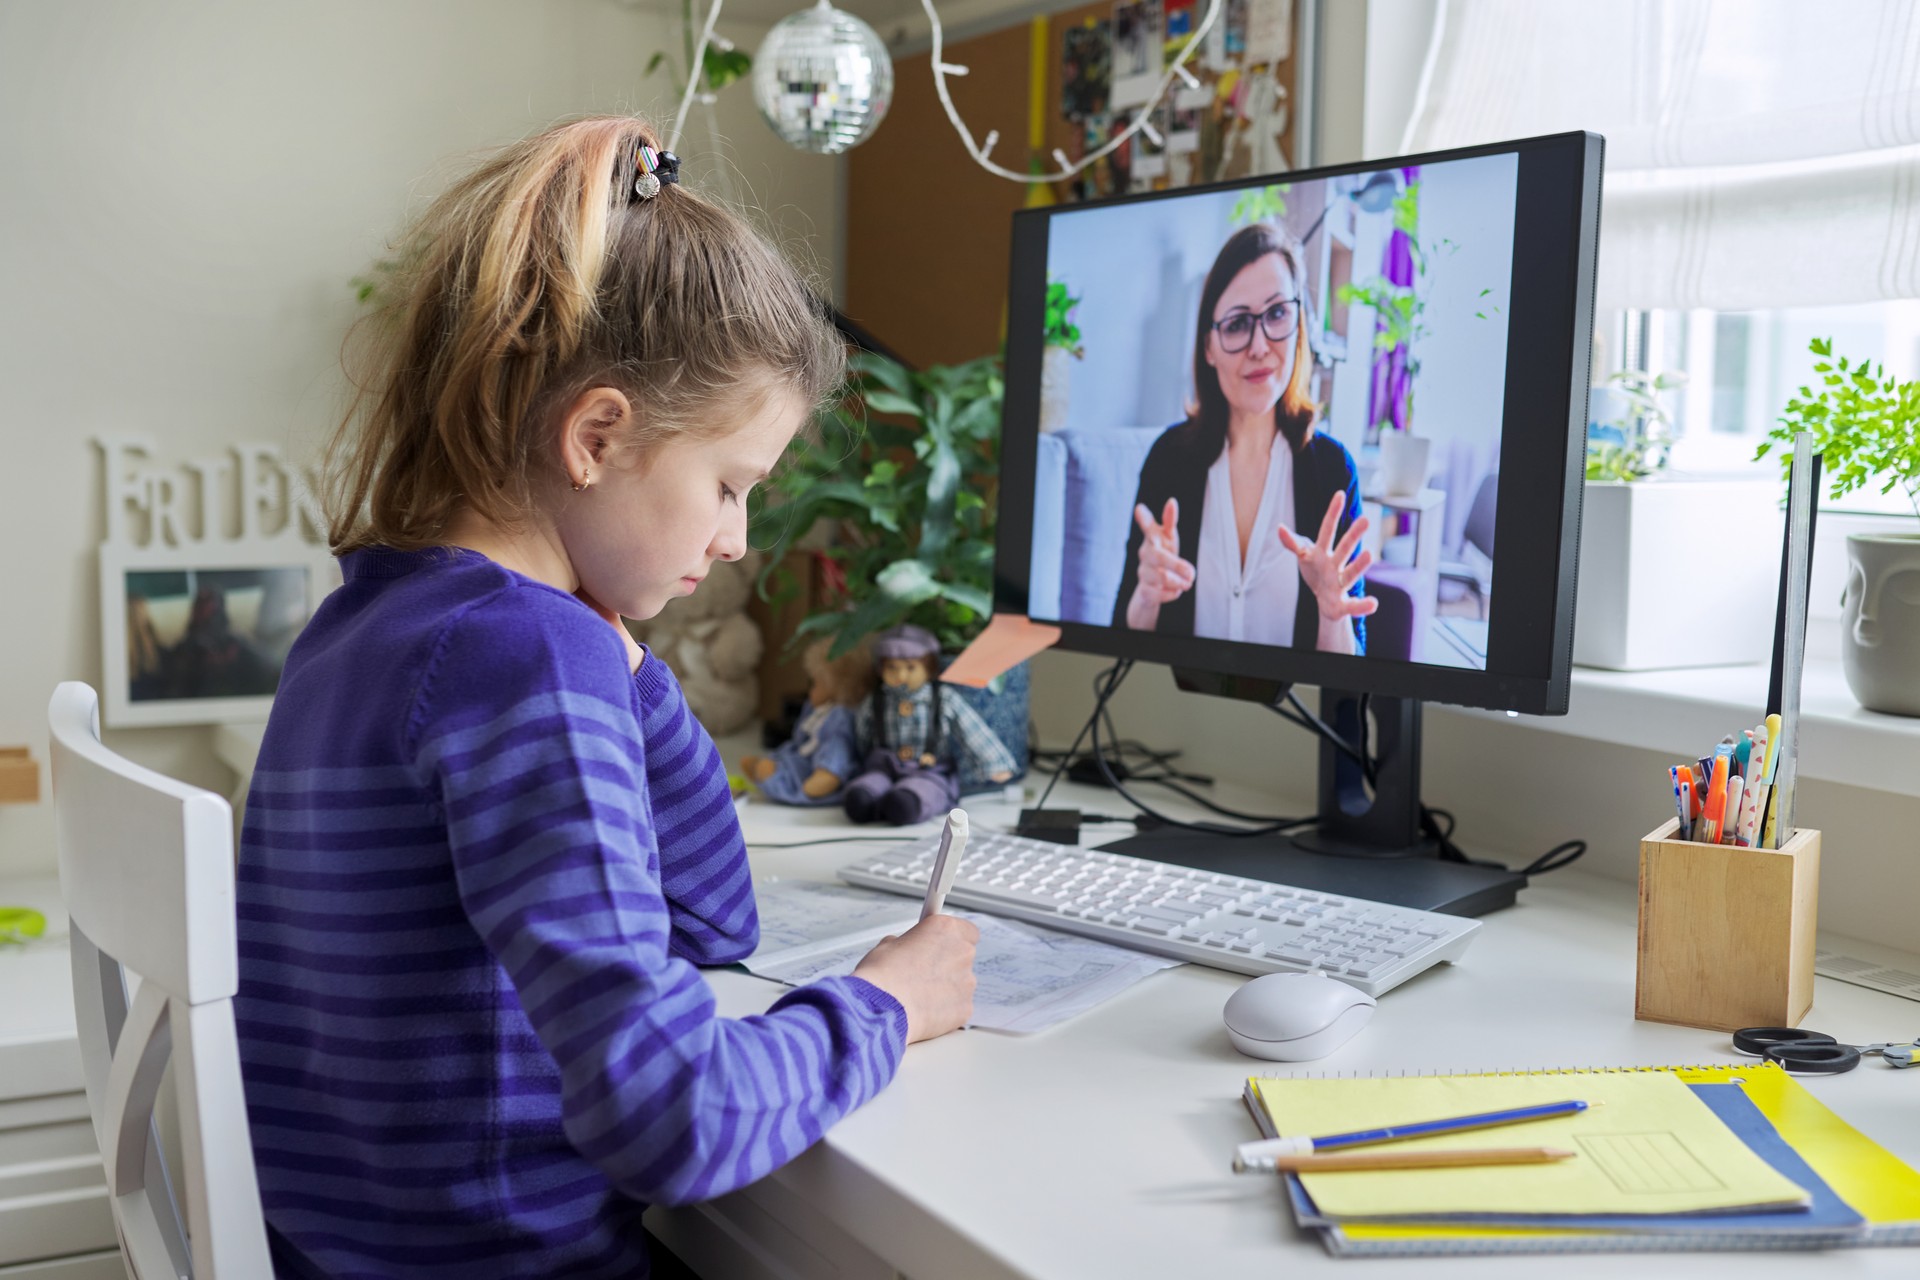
point(813, 766)
point(915, 737)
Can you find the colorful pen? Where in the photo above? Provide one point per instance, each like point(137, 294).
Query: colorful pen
point(1730, 825)
point(953, 846)
point(1716, 801)
point(1679, 799)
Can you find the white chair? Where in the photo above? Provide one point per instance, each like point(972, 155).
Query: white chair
point(147, 871)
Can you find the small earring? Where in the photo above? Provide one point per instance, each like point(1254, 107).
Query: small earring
point(586, 478)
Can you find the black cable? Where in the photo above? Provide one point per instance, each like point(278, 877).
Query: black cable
point(1104, 686)
point(1561, 855)
point(1308, 720)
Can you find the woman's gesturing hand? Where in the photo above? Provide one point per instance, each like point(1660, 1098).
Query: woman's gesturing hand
point(1163, 575)
point(1326, 568)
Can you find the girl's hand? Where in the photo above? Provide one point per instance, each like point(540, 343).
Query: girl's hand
point(1162, 576)
point(1326, 569)
point(929, 970)
point(634, 651)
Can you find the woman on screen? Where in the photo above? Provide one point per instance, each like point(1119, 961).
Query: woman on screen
point(1213, 551)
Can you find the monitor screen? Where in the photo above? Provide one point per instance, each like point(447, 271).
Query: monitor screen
point(1323, 427)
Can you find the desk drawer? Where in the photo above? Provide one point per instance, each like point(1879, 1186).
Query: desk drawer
point(93, 1266)
point(34, 1143)
point(49, 1108)
point(54, 1224)
point(53, 1193)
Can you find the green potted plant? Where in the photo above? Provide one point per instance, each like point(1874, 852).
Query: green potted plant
point(1635, 439)
point(1644, 604)
point(1865, 424)
point(1060, 342)
point(888, 508)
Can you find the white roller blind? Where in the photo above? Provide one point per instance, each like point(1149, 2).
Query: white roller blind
point(1760, 153)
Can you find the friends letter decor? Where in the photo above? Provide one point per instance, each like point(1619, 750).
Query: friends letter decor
point(209, 569)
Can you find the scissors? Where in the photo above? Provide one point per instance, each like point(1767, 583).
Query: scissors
point(1815, 1052)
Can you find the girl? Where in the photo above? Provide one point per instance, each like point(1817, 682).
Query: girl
point(486, 844)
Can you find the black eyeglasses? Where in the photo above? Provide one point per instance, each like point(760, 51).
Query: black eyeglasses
point(1278, 322)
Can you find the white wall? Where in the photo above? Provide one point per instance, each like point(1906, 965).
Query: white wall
point(188, 189)
point(1398, 32)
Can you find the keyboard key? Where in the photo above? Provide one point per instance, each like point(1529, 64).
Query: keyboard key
point(988, 896)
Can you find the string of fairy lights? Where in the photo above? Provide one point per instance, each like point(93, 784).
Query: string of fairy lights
point(822, 78)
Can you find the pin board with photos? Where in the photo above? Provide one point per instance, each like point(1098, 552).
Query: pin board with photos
point(929, 231)
point(1236, 122)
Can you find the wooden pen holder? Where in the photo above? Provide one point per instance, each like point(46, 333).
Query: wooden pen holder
point(1726, 933)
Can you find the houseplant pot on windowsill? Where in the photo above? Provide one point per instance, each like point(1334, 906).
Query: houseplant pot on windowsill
point(1644, 601)
point(1865, 425)
point(907, 501)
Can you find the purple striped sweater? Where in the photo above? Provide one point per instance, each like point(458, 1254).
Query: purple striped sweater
point(479, 863)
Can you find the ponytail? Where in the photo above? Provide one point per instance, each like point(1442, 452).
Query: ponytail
point(536, 276)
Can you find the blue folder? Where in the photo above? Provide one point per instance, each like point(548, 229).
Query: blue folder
point(1827, 1216)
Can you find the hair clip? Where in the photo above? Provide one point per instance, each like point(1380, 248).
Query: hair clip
point(657, 168)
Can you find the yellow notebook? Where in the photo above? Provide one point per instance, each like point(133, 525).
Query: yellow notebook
point(1879, 1186)
point(1646, 1145)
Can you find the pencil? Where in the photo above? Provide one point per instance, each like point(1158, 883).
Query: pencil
point(1359, 1160)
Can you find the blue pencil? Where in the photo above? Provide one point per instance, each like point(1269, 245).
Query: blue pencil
point(1253, 1154)
point(1427, 1128)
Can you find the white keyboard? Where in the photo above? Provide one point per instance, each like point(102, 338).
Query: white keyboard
point(1247, 926)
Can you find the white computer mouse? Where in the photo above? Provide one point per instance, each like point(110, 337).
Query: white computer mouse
point(1295, 1017)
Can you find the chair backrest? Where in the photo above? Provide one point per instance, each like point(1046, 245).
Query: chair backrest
point(1479, 526)
point(1390, 628)
point(147, 872)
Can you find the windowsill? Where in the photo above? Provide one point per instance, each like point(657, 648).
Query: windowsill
point(1680, 711)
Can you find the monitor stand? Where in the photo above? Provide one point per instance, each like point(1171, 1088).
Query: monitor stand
point(1365, 846)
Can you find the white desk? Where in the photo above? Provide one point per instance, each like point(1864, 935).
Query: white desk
point(1099, 1148)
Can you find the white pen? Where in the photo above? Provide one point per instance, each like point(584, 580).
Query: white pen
point(953, 846)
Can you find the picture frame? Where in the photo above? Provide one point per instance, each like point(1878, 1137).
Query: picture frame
point(198, 633)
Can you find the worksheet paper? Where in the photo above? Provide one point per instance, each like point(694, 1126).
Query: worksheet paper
point(1029, 977)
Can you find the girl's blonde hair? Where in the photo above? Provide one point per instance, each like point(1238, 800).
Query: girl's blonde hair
point(535, 277)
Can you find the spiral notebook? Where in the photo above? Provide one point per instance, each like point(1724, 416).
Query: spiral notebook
point(1860, 1194)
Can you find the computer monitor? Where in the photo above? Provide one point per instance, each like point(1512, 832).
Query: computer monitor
point(1209, 390)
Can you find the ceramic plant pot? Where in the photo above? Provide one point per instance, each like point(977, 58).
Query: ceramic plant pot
point(1644, 602)
point(1056, 375)
point(1880, 620)
point(1403, 462)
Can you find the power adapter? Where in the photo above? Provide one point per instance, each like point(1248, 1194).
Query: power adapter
point(1086, 769)
point(1061, 826)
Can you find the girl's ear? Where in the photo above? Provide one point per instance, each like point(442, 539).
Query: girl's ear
point(589, 429)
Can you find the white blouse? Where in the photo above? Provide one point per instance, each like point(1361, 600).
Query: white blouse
point(1255, 601)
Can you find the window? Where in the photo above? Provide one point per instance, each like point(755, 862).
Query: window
point(1743, 367)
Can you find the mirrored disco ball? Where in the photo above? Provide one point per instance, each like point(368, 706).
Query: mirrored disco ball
point(823, 79)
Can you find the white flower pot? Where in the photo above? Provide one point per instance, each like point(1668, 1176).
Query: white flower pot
point(1880, 622)
point(1677, 573)
point(1403, 463)
point(1056, 375)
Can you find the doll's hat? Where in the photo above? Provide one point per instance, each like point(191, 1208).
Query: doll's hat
point(905, 641)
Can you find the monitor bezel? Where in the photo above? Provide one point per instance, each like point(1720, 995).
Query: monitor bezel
point(1556, 236)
